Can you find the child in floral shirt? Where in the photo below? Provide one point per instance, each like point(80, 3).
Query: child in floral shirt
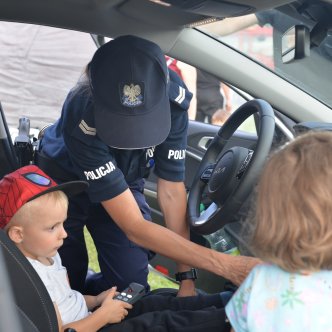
point(292, 233)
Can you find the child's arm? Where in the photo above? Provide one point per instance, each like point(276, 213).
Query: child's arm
point(58, 317)
point(91, 301)
point(111, 311)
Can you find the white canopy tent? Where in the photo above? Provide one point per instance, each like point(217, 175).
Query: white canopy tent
point(38, 67)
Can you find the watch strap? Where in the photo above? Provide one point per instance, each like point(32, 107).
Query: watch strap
point(191, 274)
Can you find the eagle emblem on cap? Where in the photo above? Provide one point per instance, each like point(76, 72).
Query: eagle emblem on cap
point(132, 95)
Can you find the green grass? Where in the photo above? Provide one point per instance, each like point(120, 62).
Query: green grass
point(93, 261)
point(156, 280)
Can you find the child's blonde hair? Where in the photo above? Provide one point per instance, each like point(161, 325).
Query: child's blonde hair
point(23, 214)
point(293, 218)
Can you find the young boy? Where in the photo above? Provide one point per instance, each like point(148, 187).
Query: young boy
point(33, 209)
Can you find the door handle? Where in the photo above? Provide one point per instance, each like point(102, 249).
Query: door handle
point(204, 142)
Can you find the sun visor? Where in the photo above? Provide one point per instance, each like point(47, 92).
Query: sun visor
point(214, 8)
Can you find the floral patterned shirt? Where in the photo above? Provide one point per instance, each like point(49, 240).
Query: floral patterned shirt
point(273, 300)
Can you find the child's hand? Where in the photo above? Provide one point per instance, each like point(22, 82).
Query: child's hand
point(116, 310)
point(101, 296)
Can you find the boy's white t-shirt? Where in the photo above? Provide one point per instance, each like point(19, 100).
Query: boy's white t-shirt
point(71, 304)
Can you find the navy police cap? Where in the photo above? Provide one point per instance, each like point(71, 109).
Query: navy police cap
point(129, 80)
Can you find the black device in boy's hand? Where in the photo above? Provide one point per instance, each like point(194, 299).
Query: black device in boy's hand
point(132, 293)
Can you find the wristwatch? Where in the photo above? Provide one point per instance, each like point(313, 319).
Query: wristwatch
point(192, 274)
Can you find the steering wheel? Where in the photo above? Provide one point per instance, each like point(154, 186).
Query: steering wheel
point(226, 174)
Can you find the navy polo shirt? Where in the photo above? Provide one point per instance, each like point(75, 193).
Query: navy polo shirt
point(73, 143)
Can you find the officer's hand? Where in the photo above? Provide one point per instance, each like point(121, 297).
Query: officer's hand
point(187, 288)
point(240, 267)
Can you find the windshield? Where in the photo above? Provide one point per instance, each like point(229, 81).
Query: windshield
point(259, 37)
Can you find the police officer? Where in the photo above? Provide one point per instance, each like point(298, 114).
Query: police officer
point(127, 115)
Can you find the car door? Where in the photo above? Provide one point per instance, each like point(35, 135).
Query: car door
point(8, 157)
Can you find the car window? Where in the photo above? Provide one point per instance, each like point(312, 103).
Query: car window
point(213, 101)
point(259, 36)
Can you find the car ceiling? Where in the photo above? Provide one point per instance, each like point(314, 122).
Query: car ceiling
point(166, 26)
point(114, 17)
point(158, 20)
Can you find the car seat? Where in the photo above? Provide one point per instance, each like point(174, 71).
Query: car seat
point(32, 303)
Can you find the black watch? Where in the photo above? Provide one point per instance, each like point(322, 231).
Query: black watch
point(192, 274)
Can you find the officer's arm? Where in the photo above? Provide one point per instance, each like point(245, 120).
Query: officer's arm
point(189, 76)
point(172, 200)
point(125, 212)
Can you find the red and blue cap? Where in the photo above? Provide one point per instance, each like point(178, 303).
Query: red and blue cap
point(129, 81)
point(26, 184)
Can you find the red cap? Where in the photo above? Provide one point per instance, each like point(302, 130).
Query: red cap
point(26, 184)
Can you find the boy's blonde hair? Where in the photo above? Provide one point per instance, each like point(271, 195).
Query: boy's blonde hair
point(293, 219)
point(58, 197)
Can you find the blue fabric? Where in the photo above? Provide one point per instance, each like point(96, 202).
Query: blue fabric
point(73, 143)
point(271, 299)
point(121, 261)
point(225, 297)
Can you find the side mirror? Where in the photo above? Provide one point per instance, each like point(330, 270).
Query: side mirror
point(295, 43)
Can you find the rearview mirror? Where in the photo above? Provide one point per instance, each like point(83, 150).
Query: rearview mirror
point(295, 43)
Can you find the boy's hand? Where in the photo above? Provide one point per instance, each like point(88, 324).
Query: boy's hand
point(101, 296)
point(115, 310)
